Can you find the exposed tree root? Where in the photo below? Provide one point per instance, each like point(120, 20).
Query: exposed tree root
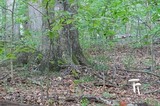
point(91, 98)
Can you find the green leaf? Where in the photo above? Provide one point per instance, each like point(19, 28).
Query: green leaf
point(71, 1)
point(84, 102)
point(1, 50)
point(11, 56)
point(69, 21)
point(57, 27)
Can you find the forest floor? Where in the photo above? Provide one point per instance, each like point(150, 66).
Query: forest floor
point(83, 86)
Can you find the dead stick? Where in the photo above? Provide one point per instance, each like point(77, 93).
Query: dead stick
point(141, 72)
point(90, 98)
point(97, 99)
point(157, 90)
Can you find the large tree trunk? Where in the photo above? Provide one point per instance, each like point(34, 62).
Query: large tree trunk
point(69, 47)
point(64, 49)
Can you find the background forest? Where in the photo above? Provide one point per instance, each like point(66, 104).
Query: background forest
point(79, 52)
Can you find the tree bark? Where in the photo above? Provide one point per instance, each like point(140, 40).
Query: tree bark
point(63, 49)
point(69, 47)
point(4, 18)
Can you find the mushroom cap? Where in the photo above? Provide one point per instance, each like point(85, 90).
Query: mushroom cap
point(137, 84)
point(133, 80)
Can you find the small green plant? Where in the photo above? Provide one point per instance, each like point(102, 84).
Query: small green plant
point(84, 79)
point(84, 102)
point(10, 89)
point(24, 73)
point(146, 86)
point(75, 73)
point(147, 62)
point(107, 95)
point(50, 102)
point(153, 102)
point(128, 61)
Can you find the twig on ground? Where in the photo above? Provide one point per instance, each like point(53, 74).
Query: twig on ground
point(90, 98)
point(4, 76)
point(97, 99)
point(140, 72)
point(157, 90)
point(101, 84)
point(8, 103)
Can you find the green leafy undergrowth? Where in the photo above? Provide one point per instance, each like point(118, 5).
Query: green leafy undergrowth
point(84, 79)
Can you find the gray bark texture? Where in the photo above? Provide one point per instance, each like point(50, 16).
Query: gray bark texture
point(63, 49)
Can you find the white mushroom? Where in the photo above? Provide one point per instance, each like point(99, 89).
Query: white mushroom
point(133, 84)
point(138, 85)
point(59, 78)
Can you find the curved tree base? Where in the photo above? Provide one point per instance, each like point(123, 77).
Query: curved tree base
point(65, 48)
point(79, 59)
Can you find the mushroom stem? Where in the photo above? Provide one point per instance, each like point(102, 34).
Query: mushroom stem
point(138, 85)
point(134, 87)
point(138, 90)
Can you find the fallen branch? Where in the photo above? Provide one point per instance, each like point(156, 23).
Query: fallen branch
point(8, 103)
point(97, 99)
point(4, 76)
point(157, 90)
point(90, 98)
point(140, 72)
point(101, 84)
